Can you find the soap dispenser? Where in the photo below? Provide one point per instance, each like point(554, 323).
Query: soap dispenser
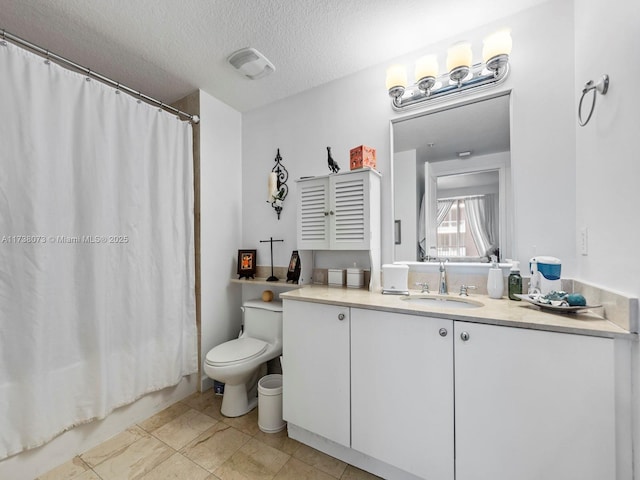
point(515, 281)
point(495, 281)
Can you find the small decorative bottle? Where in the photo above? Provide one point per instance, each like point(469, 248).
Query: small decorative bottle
point(495, 281)
point(515, 282)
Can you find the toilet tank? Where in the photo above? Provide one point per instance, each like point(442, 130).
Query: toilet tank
point(263, 320)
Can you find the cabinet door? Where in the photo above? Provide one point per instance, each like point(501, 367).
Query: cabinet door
point(349, 211)
point(316, 369)
point(313, 214)
point(402, 391)
point(533, 405)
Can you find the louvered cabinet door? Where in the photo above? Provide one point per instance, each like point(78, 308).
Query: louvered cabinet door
point(313, 214)
point(349, 216)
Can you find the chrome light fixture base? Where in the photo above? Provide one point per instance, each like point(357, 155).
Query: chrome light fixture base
point(496, 63)
point(458, 74)
point(482, 76)
point(396, 92)
point(425, 84)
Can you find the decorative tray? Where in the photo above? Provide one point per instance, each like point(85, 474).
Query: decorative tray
point(555, 308)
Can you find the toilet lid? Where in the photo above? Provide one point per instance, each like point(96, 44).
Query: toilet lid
point(235, 351)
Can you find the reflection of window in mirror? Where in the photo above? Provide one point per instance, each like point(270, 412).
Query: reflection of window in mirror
point(466, 227)
point(467, 215)
point(454, 240)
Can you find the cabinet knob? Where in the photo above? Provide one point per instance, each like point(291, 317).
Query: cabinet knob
point(330, 212)
point(443, 332)
point(326, 214)
point(464, 336)
point(341, 316)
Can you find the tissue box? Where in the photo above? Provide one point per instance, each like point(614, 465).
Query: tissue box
point(395, 279)
point(336, 277)
point(362, 156)
point(355, 278)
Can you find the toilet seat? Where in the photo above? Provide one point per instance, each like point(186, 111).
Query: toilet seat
point(235, 351)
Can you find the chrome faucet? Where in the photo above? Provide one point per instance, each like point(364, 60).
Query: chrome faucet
point(464, 290)
point(443, 279)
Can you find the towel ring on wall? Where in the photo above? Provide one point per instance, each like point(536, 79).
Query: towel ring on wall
point(602, 86)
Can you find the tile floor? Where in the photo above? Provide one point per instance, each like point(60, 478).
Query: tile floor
point(191, 440)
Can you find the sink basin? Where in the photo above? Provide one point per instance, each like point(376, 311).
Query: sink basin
point(442, 301)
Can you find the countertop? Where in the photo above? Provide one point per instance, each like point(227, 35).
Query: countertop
point(502, 312)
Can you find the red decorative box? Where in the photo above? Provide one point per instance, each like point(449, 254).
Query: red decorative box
point(362, 156)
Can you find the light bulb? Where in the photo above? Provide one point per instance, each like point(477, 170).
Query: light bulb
point(498, 43)
point(396, 77)
point(459, 55)
point(426, 66)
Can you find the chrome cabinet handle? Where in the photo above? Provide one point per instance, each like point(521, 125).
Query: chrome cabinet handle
point(464, 336)
point(443, 332)
point(341, 316)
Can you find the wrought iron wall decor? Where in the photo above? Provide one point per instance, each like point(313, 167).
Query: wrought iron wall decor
point(278, 188)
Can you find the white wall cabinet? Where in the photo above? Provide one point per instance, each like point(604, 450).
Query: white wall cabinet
point(531, 404)
point(443, 399)
point(402, 391)
point(339, 212)
point(316, 367)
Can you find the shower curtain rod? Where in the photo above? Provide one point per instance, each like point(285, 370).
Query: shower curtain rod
point(90, 73)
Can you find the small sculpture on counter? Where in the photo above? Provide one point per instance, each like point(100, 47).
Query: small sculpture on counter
point(333, 166)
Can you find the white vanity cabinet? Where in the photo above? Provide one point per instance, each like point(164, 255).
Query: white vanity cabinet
point(316, 369)
point(433, 398)
point(533, 405)
point(339, 212)
point(402, 391)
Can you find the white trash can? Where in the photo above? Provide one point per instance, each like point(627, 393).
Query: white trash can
point(270, 404)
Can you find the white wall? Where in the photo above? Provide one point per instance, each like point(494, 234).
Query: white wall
point(356, 110)
point(607, 163)
point(220, 225)
point(302, 127)
point(607, 160)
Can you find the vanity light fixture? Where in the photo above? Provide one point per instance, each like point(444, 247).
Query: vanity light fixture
point(462, 74)
point(463, 155)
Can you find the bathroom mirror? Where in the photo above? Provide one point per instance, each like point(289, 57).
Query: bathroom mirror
point(451, 182)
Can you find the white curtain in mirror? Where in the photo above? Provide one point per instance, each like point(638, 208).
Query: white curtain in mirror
point(481, 217)
point(97, 304)
point(444, 206)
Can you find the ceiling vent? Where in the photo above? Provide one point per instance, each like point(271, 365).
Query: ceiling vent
point(251, 63)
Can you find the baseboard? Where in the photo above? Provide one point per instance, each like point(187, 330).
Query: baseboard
point(348, 455)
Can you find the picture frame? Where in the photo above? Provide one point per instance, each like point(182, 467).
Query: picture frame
point(246, 263)
point(293, 272)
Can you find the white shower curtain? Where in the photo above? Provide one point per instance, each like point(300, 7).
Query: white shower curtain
point(97, 303)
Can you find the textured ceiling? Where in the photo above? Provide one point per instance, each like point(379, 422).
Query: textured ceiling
point(169, 48)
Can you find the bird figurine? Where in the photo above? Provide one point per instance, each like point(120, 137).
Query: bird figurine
point(333, 166)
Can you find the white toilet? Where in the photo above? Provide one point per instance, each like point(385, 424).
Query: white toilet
point(237, 362)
